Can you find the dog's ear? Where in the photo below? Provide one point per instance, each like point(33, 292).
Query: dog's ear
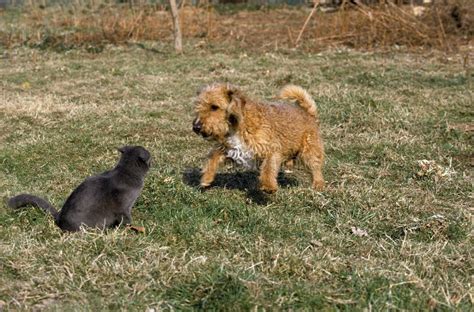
point(231, 92)
point(233, 119)
point(234, 111)
point(200, 89)
point(236, 103)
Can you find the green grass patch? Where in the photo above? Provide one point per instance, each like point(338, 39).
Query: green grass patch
point(231, 247)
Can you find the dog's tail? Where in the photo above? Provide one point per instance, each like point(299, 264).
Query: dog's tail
point(23, 200)
point(300, 95)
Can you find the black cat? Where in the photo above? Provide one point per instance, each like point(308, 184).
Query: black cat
point(101, 201)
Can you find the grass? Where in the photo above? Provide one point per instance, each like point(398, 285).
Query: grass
point(63, 114)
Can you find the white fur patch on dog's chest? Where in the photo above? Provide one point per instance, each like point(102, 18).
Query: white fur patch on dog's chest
point(240, 153)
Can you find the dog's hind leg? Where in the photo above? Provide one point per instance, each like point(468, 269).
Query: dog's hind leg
point(269, 172)
point(289, 165)
point(313, 158)
point(216, 157)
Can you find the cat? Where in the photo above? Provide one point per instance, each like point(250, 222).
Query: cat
point(101, 201)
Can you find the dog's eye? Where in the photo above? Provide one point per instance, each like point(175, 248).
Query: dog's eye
point(214, 107)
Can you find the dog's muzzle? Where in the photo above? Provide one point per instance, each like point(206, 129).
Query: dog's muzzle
point(197, 126)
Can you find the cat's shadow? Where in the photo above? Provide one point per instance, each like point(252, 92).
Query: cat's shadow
point(246, 181)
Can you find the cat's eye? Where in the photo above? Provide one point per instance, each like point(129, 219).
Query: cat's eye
point(214, 107)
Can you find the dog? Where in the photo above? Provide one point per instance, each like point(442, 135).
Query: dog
point(248, 130)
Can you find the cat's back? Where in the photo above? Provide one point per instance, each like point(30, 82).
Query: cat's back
point(94, 199)
point(108, 189)
point(92, 188)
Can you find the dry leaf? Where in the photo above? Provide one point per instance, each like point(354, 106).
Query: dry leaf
point(430, 168)
point(464, 127)
point(136, 228)
point(26, 85)
point(316, 243)
point(359, 232)
point(432, 304)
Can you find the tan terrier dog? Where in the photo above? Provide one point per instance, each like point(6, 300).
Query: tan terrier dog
point(248, 130)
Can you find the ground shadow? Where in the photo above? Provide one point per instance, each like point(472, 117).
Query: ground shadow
point(246, 181)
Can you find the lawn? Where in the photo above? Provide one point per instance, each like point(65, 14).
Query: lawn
point(389, 232)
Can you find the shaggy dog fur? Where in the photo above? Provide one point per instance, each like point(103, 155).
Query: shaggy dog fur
point(248, 130)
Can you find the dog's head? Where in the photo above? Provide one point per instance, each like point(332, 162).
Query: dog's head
point(218, 111)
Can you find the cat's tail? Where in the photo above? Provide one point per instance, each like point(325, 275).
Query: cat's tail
point(23, 200)
point(301, 96)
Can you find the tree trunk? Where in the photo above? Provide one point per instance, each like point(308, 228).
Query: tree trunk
point(176, 29)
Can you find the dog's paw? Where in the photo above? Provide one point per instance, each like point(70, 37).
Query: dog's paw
point(318, 186)
point(255, 196)
point(204, 187)
point(268, 189)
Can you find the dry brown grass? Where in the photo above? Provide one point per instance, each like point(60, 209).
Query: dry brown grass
point(444, 27)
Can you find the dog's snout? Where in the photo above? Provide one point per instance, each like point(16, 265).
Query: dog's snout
point(197, 125)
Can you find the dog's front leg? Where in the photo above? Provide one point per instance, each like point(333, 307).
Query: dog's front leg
point(269, 173)
point(216, 157)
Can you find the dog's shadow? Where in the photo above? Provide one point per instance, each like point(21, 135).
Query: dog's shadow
point(246, 181)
